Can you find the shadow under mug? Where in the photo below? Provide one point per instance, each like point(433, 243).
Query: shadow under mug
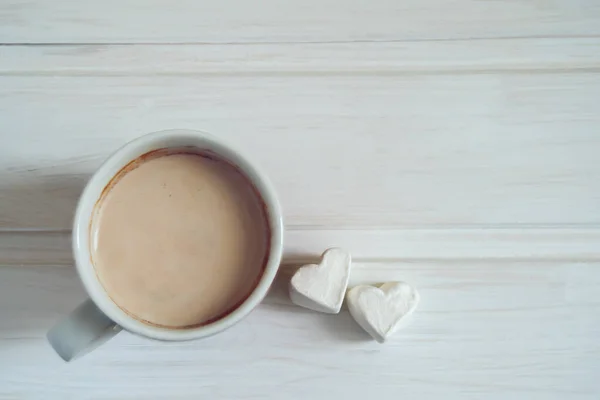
point(99, 318)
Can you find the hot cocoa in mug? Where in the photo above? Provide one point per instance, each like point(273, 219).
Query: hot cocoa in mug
point(176, 237)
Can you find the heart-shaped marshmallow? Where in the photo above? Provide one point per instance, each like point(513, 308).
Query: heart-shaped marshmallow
point(380, 310)
point(322, 287)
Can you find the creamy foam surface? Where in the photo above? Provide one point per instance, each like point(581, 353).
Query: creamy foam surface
point(180, 240)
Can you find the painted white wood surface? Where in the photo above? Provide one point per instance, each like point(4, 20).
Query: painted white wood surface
point(483, 330)
point(354, 148)
point(233, 21)
point(450, 144)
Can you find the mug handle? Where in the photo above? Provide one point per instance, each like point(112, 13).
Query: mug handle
point(84, 329)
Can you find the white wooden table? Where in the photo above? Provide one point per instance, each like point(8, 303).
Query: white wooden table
point(451, 144)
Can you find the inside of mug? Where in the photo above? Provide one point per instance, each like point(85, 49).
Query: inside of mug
point(123, 161)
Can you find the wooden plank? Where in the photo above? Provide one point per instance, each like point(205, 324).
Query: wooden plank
point(483, 330)
point(235, 21)
point(419, 58)
point(31, 248)
point(345, 152)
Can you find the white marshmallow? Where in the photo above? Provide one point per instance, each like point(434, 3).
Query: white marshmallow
point(382, 310)
point(322, 287)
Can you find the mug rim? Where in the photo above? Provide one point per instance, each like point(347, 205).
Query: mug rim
point(104, 174)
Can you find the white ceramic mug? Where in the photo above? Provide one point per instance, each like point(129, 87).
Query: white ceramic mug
point(99, 318)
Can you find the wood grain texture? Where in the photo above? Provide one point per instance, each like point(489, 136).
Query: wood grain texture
point(511, 123)
point(517, 135)
point(343, 152)
point(141, 21)
point(483, 329)
point(31, 248)
point(532, 55)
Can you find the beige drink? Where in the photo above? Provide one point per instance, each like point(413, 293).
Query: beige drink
point(179, 239)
